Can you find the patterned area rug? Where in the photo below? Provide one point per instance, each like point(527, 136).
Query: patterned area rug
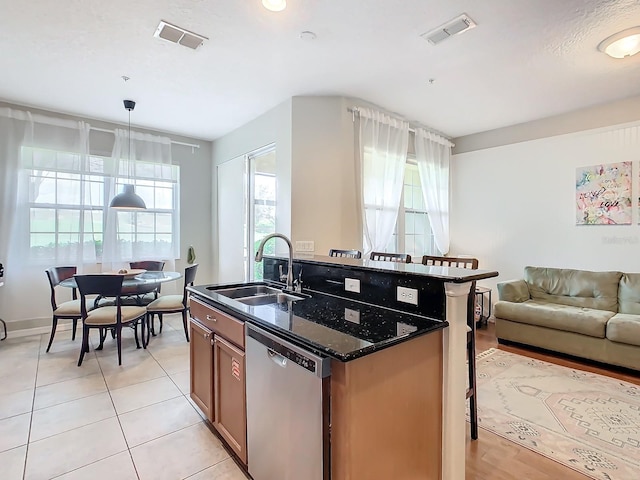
point(585, 421)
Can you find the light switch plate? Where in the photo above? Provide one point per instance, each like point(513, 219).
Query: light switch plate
point(305, 246)
point(352, 285)
point(352, 316)
point(407, 295)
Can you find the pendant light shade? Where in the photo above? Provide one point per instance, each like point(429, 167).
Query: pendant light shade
point(128, 200)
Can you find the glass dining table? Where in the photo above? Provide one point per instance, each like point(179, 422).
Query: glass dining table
point(146, 279)
point(135, 286)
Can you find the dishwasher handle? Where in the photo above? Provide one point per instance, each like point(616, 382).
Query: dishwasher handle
point(283, 353)
point(277, 358)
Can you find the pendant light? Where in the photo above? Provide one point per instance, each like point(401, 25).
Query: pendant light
point(128, 200)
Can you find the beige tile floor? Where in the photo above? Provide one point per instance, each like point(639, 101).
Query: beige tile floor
point(102, 421)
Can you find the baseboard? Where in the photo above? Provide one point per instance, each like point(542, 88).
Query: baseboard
point(36, 326)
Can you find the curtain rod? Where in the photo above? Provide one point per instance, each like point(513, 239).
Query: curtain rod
point(106, 130)
point(356, 111)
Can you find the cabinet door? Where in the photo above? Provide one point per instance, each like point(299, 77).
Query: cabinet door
point(201, 352)
point(230, 396)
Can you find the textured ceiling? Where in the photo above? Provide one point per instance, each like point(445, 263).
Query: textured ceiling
point(525, 60)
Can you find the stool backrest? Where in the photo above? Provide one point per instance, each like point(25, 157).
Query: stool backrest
point(334, 252)
point(390, 257)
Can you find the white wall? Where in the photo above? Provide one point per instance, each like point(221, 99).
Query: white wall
point(514, 205)
point(29, 304)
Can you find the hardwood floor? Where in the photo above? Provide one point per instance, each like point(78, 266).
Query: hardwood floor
point(493, 458)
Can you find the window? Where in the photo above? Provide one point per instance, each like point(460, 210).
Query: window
point(413, 233)
point(262, 197)
point(67, 196)
point(149, 233)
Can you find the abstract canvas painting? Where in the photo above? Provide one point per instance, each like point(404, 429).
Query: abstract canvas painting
point(603, 194)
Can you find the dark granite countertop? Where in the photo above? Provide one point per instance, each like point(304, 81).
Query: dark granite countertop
point(333, 326)
point(448, 274)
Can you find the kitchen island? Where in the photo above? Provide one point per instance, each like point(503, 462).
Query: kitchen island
point(383, 402)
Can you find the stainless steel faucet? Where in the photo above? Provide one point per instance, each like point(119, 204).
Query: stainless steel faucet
point(289, 277)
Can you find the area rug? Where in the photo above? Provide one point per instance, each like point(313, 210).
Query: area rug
point(588, 422)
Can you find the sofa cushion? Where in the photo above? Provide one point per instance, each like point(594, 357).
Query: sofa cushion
point(629, 294)
point(577, 288)
point(585, 321)
point(624, 328)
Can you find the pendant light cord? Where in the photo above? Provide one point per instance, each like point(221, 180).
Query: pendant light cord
point(129, 169)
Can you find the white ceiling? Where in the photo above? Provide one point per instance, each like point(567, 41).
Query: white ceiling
point(526, 59)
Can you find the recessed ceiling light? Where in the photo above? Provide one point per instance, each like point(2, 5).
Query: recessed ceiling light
point(307, 35)
point(622, 44)
point(275, 5)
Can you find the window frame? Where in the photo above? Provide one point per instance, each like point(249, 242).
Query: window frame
point(32, 170)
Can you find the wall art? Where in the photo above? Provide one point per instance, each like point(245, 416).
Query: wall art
point(603, 194)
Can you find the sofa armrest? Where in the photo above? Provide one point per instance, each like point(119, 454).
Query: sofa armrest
point(513, 291)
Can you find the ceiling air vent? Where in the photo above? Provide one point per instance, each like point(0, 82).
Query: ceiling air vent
point(179, 35)
point(453, 27)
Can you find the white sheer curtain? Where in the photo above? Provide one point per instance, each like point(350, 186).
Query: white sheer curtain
point(133, 235)
point(42, 164)
point(383, 142)
point(433, 153)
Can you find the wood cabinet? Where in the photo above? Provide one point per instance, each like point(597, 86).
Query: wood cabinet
point(201, 353)
point(218, 373)
point(230, 395)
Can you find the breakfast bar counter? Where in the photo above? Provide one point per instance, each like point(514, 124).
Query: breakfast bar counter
point(395, 335)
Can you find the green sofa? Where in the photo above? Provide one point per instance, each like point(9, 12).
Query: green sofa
point(594, 315)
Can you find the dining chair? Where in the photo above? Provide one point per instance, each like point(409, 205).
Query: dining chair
point(471, 263)
point(390, 257)
point(143, 294)
point(69, 310)
point(334, 252)
point(172, 304)
point(108, 317)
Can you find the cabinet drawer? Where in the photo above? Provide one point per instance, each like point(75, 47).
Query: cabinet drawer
point(221, 323)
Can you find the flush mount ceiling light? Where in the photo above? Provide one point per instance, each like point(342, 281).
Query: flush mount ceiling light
point(275, 5)
point(128, 200)
point(460, 24)
point(622, 44)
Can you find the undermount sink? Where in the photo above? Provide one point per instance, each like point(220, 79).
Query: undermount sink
point(255, 295)
point(248, 291)
point(268, 299)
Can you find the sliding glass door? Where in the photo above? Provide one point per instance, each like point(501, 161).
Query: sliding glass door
point(246, 210)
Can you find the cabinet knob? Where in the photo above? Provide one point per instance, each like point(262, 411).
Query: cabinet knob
point(212, 318)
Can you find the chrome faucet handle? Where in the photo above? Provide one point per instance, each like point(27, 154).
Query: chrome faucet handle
point(283, 276)
point(298, 282)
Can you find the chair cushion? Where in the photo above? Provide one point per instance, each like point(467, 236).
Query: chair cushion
point(166, 303)
point(107, 315)
point(624, 328)
point(71, 307)
point(585, 321)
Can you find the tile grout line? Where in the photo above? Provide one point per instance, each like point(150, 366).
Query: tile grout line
point(126, 442)
point(33, 401)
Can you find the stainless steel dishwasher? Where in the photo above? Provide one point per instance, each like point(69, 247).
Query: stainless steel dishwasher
point(287, 409)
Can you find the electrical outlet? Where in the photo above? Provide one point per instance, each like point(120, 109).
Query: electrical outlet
point(404, 329)
point(407, 295)
point(352, 285)
point(305, 246)
point(352, 316)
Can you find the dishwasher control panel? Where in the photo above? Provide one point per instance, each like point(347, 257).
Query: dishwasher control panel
point(291, 353)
